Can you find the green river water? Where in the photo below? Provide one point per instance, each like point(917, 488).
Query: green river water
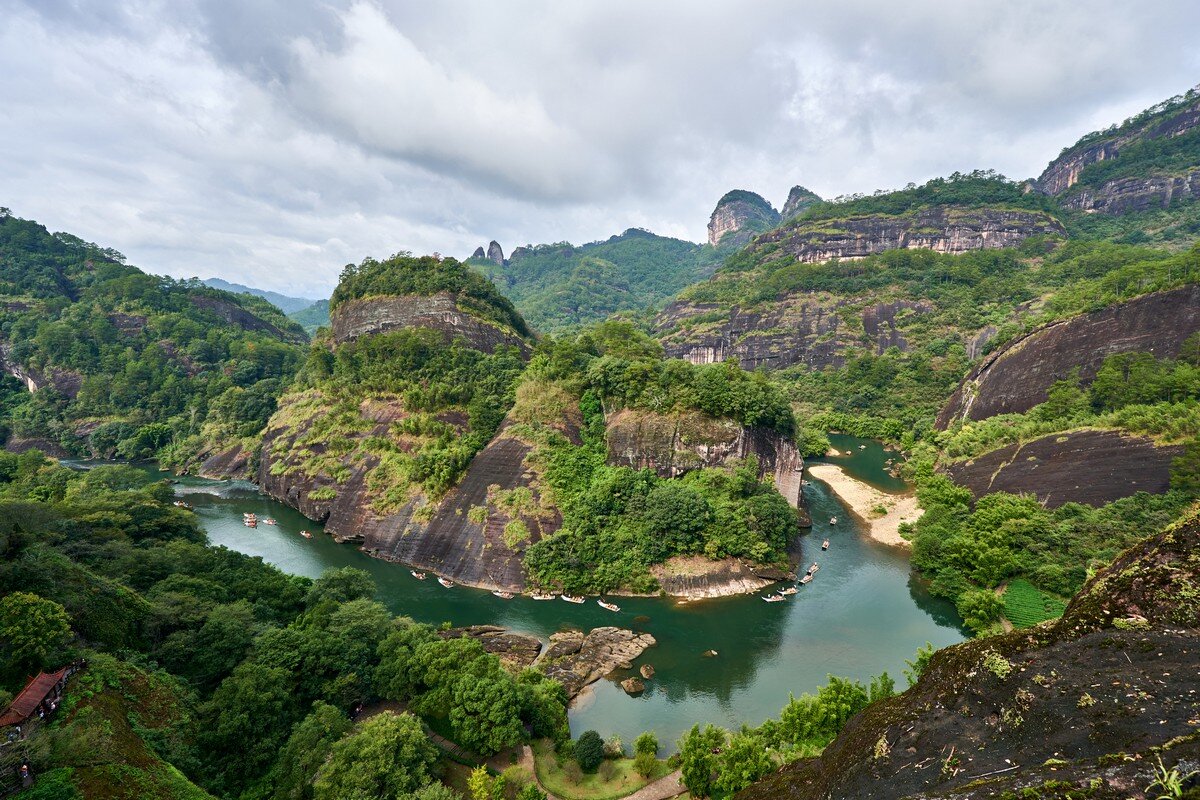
point(864, 612)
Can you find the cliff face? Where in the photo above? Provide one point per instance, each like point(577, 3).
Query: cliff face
point(799, 200)
point(1091, 467)
point(738, 216)
point(1130, 195)
point(807, 329)
point(1063, 172)
point(1080, 707)
point(942, 229)
point(1018, 376)
point(440, 312)
point(495, 253)
point(234, 314)
point(674, 444)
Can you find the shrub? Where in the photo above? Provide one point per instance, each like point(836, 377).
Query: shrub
point(646, 743)
point(589, 751)
point(644, 764)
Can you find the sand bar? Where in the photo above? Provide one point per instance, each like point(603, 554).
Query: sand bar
point(862, 499)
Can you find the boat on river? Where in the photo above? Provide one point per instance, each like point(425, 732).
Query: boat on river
point(609, 606)
point(774, 598)
point(183, 505)
point(418, 575)
point(573, 598)
point(504, 595)
point(833, 520)
point(306, 534)
point(813, 568)
point(788, 591)
point(269, 521)
point(806, 579)
point(825, 545)
point(449, 584)
point(543, 596)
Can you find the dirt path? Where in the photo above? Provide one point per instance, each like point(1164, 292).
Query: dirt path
point(662, 789)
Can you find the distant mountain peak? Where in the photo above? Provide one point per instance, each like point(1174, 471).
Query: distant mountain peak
point(283, 302)
point(799, 200)
point(738, 216)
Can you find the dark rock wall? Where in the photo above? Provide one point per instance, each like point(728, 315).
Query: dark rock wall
point(1091, 467)
point(1017, 376)
point(440, 312)
point(1130, 195)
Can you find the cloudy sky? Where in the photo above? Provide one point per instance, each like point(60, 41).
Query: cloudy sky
point(272, 141)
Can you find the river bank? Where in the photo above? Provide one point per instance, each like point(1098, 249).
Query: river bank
point(865, 502)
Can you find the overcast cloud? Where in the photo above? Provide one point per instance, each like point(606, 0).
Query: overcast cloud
point(270, 142)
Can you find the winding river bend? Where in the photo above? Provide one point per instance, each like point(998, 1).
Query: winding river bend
point(863, 614)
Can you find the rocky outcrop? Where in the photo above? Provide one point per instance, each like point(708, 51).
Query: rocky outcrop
point(739, 215)
point(1130, 195)
point(439, 312)
point(941, 229)
point(698, 578)
point(677, 443)
point(495, 253)
point(64, 381)
point(231, 463)
point(807, 329)
point(1063, 172)
point(799, 200)
point(516, 650)
point(1090, 467)
point(1080, 707)
point(233, 314)
point(576, 660)
point(479, 253)
point(1017, 376)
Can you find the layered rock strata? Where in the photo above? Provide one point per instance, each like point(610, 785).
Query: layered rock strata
point(439, 312)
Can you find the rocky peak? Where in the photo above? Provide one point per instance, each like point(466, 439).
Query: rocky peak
point(739, 215)
point(495, 254)
point(479, 253)
point(799, 200)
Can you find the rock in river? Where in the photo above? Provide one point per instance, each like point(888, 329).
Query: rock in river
point(575, 660)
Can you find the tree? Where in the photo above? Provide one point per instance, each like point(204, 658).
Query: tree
point(530, 791)
point(341, 586)
point(920, 662)
point(743, 761)
point(696, 758)
point(979, 608)
point(246, 722)
point(388, 756)
point(644, 764)
point(646, 742)
point(34, 632)
point(589, 751)
point(306, 750)
point(1185, 470)
point(486, 711)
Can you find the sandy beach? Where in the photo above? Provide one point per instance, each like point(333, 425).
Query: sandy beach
point(862, 499)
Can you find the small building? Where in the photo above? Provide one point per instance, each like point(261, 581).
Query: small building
point(45, 688)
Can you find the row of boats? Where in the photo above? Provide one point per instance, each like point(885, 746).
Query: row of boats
point(251, 521)
point(785, 593)
point(503, 595)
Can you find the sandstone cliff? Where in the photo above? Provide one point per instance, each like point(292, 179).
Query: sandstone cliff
point(1080, 707)
point(495, 253)
point(809, 329)
point(1171, 119)
point(943, 229)
point(677, 443)
point(1130, 195)
point(1091, 467)
point(739, 215)
point(1017, 376)
point(799, 200)
point(440, 312)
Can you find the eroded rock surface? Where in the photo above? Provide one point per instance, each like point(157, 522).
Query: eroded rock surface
point(799, 200)
point(1092, 467)
point(575, 660)
point(439, 312)
point(516, 650)
point(1017, 376)
point(739, 215)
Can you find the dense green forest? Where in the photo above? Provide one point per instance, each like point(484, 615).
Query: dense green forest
point(560, 287)
point(130, 364)
point(312, 318)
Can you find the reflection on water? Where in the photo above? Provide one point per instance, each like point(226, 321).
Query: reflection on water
point(863, 613)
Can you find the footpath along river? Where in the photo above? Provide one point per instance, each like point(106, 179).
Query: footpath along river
point(864, 612)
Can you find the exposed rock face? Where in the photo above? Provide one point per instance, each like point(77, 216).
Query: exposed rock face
point(516, 650)
point(234, 314)
point(232, 463)
point(439, 312)
point(738, 216)
point(479, 253)
point(1130, 195)
point(806, 329)
point(799, 200)
point(495, 253)
point(633, 686)
point(1063, 172)
point(942, 229)
point(64, 381)
point(1092, 467)
point(674, 444)
point(1095, 691)
point(1018, 376)
point(696, 578)
point(575, 660)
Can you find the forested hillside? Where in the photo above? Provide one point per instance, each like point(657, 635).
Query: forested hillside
point(119, 362)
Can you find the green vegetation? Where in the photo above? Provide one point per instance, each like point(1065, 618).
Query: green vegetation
point(212, 665)
point(1025, 605)
point(131, 364)
point(614, 778)
point(312, 318)
point(560, 287)
point(404, 274)
point(969, 190)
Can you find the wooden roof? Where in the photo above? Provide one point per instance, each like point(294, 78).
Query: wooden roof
point(23, 706)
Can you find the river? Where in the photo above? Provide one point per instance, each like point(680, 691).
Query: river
point(864, 612)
